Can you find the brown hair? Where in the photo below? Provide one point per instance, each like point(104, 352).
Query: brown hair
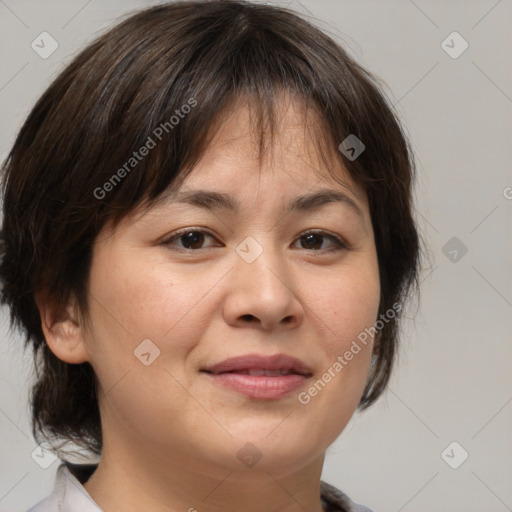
point(63, 179)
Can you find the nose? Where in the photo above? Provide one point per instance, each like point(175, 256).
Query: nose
point(262, 293)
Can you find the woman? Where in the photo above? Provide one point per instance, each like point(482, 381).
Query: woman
point(207, 239)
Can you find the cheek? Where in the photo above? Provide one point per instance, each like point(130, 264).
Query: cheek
point(346, 308)
point(347, 305)
point(137, 299)
point(137, 302)
point(137, 294)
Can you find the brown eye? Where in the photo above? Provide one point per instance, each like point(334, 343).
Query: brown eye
point(194, 240)
point(314, 240)
point(190, 239)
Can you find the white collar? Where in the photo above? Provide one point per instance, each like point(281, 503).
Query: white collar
point(68, 495)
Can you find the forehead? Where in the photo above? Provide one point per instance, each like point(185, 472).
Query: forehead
point(296, 152)
point(244, 162)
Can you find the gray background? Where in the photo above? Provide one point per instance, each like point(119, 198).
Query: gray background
point(453, 382)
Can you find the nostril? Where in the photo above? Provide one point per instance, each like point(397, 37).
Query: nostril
point(250, 318)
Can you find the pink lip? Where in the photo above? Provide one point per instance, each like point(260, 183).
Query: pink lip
point(232, 373)
point(275, 362)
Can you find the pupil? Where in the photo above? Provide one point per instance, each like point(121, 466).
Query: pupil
point(311, 238)
point(192, 238)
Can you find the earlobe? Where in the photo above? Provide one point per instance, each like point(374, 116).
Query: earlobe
point(63, 333)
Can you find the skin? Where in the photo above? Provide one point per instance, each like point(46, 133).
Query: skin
point(171, 436)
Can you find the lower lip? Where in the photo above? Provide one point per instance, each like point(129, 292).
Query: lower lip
point(263, 387)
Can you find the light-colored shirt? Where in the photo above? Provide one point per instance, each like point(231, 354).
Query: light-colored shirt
point(69, 494)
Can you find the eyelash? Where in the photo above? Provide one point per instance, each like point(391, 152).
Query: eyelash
point(340, 243)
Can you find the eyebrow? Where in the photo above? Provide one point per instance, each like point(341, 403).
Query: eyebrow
point(220, 201)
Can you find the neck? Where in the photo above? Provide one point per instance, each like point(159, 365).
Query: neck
point(130, 480)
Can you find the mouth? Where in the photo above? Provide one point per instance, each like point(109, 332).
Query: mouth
point(260, 372)
point(260, 377)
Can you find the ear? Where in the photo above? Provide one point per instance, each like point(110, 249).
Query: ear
point(62, 330)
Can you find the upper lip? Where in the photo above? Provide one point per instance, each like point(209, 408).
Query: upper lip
point(257, 361)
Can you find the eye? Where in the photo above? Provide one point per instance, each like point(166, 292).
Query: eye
point(193, 240)
point(314, 239)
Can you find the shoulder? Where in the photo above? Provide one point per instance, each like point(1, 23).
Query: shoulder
point(68, 495)
point(335, 500)
point(53, 503)
point(49, 504)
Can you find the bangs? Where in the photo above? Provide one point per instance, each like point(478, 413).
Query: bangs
point(168, 100)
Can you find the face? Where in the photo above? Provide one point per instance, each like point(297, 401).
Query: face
point(192, 283)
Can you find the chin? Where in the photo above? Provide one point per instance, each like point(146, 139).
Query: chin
point(261, 447)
